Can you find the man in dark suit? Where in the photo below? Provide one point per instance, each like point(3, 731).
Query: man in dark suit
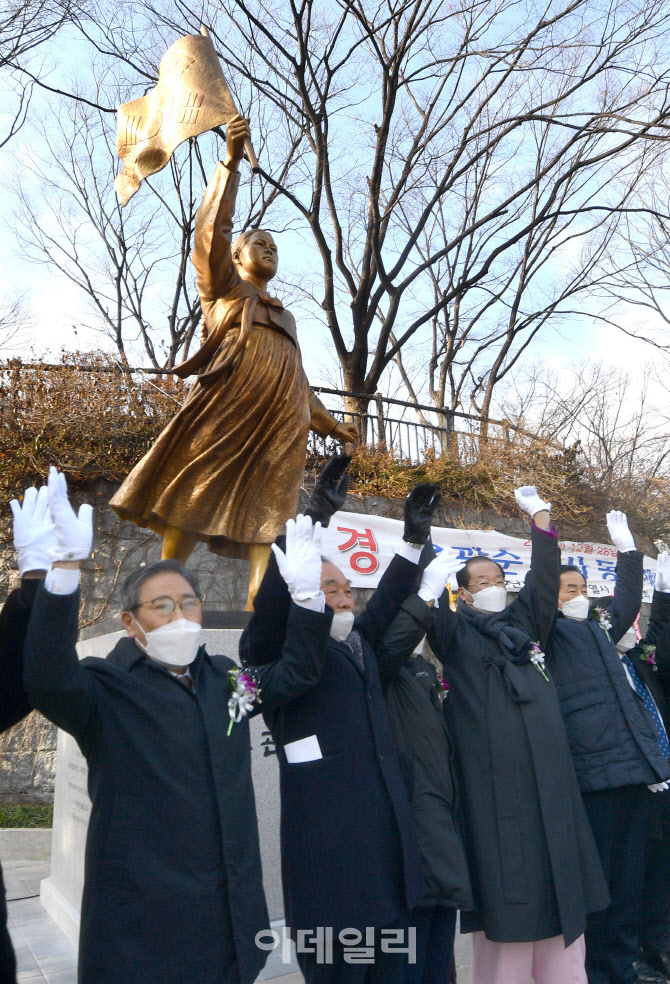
point(173, 889)
point(33, 538)
point(614, 748)
point(647, 665)
point(350, 859)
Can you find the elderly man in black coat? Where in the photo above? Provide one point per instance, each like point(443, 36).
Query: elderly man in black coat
point(614, 745)
point(533, 864)
point(173, 890)
point(414, 696)
point(33, 539)
point(350, 859)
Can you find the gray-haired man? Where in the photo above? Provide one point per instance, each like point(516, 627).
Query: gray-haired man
point(173, 888)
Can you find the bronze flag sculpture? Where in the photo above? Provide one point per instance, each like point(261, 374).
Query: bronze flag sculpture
point(227, 469)
point(191, 97)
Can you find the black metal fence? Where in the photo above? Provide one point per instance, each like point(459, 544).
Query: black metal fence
point(395, 425)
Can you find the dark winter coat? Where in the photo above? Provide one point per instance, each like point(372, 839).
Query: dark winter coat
point(14, 618)
point(173, 889)
point(349, 852)
point(534, 867)
point(657, 675)
point(426, 757)
point(612, 736)
point(13, 707)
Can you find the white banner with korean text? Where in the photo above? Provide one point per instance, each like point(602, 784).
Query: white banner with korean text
point(362, 546)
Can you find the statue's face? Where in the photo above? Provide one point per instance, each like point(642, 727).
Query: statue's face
point(258, 256)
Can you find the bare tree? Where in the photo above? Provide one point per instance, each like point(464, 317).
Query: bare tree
point(24, 26)
point(634, 290)
point(446, 160)
point(15, 319)
point(618, 433)
point(546, 279)
point(403, 107)
point(132, 265)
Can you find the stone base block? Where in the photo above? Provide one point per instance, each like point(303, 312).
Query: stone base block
point(25, 844)
point(60, 910)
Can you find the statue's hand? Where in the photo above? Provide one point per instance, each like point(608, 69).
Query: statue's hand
point(347, 433)
point(237, 131)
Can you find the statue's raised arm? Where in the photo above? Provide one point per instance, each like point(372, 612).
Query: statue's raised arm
point(212, 255)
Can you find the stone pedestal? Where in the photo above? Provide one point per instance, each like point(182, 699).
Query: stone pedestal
point(61, 891)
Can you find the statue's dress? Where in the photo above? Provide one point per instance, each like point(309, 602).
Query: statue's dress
point(229, 466)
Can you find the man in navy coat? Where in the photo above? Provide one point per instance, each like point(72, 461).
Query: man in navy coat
point(33, 539)
point(647, 665)
point(173, 888)
point(614, 746)
point(350, 859)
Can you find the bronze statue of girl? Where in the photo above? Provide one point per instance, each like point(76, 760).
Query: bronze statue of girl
point(228, 468)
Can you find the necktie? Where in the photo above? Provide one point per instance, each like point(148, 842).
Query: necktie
point(642, 689)
point(353, 640)
point(185, 679)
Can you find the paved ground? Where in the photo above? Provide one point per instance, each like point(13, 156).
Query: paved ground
point(45, 956)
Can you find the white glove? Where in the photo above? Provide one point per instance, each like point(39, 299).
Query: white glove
point(663, 573)
point(300, 566)
point(620, 535)
point(435, 576)
point(34, 534)
point(658, 787)
point(528, 500)
point(74, 533)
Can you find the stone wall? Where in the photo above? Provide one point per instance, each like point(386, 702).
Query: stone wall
point(27, 753)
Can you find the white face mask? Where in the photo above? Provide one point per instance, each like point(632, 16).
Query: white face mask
point(174, 644)
point(343, 623)
point(627, 640)
point(577, 608)
point(493, 599)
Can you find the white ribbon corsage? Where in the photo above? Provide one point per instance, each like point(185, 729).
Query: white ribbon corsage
point(245, 695)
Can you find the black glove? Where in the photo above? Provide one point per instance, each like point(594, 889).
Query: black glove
point(330, 490)
point(420, 506)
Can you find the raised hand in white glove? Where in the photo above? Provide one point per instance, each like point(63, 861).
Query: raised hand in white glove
point(620, 535)
point(74, 533)
point(528, 500)
point(34, 533)
point(663, 573)
point(658, 787)
point(300, 566)
point(435, 576)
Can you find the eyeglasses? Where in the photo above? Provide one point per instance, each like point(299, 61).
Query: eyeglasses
point(166, 605)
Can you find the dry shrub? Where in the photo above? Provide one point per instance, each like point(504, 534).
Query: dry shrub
point(33, 733)
point(86, 417)
point(487, 482)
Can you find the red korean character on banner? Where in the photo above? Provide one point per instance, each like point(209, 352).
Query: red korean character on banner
point(362, 561)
